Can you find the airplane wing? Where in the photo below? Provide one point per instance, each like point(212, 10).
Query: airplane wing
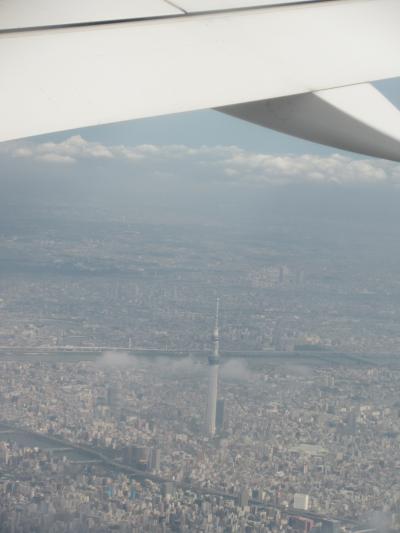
point(298, 66)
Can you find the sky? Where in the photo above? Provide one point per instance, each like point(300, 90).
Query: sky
point(190, 159)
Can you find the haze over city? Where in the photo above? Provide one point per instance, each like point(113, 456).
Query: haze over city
point(125, 404)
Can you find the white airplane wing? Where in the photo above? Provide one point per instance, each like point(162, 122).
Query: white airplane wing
point(301, 67)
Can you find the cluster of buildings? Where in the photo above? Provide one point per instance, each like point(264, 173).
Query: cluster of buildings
point(42, 491)
point(124, 284)
point(322, 438)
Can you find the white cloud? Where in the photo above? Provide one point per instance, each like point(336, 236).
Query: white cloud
point(228, 163)
point(236, 370)
point(116, 360)
point(55, 158)
point(23, 152)
point(310, 168)
point(68, 151)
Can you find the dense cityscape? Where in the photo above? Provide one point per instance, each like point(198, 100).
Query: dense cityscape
point(325, 435)
point(71, 280)
point(113, 416)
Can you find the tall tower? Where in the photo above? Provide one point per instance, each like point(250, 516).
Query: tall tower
point(213, 366)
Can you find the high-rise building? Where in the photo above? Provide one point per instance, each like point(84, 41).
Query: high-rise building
point(141, 456)
point(168, 488)
point(137, 456)
point(281, 274)
point(243, 498)
point(213, 367)
point(154, 459)
point(219, 418)
point(301, 501)
point(113, 396)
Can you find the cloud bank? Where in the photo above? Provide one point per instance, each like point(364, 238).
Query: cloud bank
point(225, 163)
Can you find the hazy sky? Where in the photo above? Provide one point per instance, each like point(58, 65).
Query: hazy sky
point(193, 155)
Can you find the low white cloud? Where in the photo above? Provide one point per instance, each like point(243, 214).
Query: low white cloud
point(112, 359)
point(236, 370)
point(55, 158)
point(76, 147)
point(23, 152)
point(311, 168)
point(187, 366)
point(227, 163)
